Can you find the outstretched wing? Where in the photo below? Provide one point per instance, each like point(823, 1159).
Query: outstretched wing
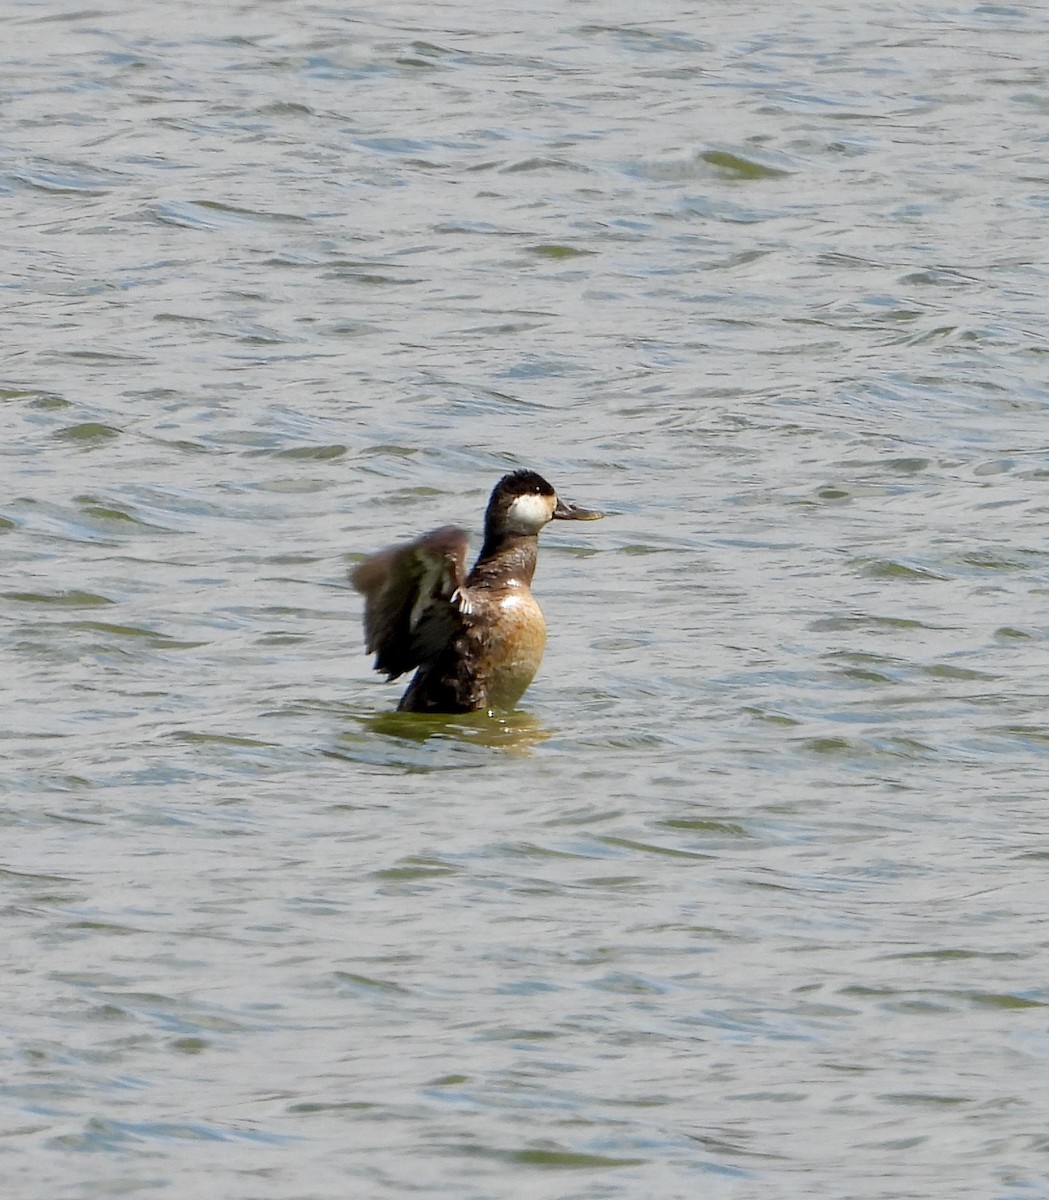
point(411, 598)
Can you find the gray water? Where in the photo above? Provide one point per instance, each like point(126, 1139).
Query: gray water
point(749, 899)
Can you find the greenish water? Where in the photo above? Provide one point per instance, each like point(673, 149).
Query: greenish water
point(749, 900)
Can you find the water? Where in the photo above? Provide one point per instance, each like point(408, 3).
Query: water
point(749, 899)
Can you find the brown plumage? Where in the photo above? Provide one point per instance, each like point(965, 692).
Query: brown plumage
point(475, 640)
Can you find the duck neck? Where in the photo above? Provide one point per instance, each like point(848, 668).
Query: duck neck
point(505, 558)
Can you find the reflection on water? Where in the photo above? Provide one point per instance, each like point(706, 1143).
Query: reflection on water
point(516, 731)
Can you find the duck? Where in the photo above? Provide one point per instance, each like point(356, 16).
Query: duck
point(474, 640)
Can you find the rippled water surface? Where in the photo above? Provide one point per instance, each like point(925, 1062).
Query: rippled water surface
point(749, 900)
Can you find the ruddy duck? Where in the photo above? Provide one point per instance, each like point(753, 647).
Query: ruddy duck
point(476, 640)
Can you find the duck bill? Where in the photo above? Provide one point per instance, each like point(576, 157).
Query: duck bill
point(572, 512)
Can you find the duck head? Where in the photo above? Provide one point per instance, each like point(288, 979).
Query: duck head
point(523, 502)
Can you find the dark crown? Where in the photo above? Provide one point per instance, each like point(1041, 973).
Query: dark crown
point(522, 483)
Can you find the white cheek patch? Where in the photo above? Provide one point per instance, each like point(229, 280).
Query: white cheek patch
point(528, 514)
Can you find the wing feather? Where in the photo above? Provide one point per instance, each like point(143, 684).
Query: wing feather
point(411, 598)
